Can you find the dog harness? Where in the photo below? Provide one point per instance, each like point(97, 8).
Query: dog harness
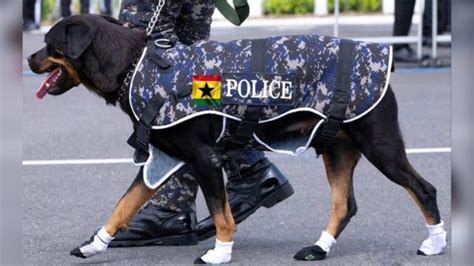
point(260, 81)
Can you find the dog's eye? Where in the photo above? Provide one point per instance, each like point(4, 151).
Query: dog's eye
point(53, 52)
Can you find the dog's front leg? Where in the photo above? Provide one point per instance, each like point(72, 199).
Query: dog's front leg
point(339, 159)
point(208, 167)
point(137, 195)
point(126, 208)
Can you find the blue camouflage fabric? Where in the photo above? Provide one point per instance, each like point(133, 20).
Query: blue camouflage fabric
point(312, 60)
point(185, 20)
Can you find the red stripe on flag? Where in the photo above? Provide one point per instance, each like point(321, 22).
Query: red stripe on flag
point(206, 77)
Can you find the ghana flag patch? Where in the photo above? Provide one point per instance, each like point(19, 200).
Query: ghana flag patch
point(206, 90)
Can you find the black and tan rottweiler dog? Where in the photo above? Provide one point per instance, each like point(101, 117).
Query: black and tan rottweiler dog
point(97, 52)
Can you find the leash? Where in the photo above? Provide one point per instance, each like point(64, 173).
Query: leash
point(237, 14)
point(148, 32)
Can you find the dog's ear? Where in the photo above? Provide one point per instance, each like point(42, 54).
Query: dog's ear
point(79, 36)
point(111, 19)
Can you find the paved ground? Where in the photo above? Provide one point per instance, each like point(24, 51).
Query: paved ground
point(64, 204)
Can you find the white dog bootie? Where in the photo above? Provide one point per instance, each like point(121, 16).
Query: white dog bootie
point(222, 253)
point(436, 242)
point(97, 244)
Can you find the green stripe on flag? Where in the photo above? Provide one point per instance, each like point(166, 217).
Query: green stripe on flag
point(203, 102)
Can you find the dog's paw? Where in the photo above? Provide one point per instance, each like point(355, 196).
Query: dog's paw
point(311, 253)
point(77, 253)
point(433, 245)
point(90, 248)
point(199, 261)
point(222, 253)
point(436, 242)
point(214, 256)
point(97, 244)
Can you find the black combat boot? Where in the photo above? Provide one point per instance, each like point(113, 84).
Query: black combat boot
point(260, 185)
point(153, 225)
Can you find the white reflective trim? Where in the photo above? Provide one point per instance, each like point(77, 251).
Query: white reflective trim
point(387, 83)
point(131, 82)
point(164, 177)
point(139, 164)
point(196, 115)
point(221, 135)
point(300, 109)
point(299, 150)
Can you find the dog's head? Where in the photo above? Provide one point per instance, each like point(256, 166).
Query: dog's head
point(89, 49)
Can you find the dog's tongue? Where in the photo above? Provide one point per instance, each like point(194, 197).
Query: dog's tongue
point(51, 78)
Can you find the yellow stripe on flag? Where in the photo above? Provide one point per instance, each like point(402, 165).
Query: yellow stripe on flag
point(200, 85)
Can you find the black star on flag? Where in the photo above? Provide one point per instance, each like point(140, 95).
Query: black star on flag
point(206, 91)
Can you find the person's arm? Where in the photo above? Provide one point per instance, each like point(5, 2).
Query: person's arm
point(137, 14)
point(194, 21)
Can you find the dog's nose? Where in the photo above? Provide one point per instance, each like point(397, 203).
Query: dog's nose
point(31, 63)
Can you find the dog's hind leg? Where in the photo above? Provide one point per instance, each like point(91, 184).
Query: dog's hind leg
point(378, 137)
point(137, 194)
point(340, 160)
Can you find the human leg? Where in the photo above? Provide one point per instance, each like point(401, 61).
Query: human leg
point(168, 218)
point(252, 183)
point(85, 4)
point(65, 8)
point(403, 17)
point(29, 15)
point(106, 7)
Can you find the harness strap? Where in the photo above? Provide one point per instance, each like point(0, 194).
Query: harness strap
point(246, 128)
point(249, 123)
point(337, 112)
point(140, 138)
point(237, 14)
point(234, 145)
point(258, 55)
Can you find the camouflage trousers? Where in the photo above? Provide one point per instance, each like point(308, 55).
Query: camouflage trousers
point(179, 192)
point(188, 21)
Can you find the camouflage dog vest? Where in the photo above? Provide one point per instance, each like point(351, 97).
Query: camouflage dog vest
point(298, 74)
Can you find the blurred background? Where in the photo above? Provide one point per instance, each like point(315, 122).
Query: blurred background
point(410, 24)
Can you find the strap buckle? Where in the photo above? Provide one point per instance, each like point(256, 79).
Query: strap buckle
point(327, 134)
point(244, 132)
point(143, 133)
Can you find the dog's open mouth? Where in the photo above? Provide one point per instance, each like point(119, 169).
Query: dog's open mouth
point(52, 82)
